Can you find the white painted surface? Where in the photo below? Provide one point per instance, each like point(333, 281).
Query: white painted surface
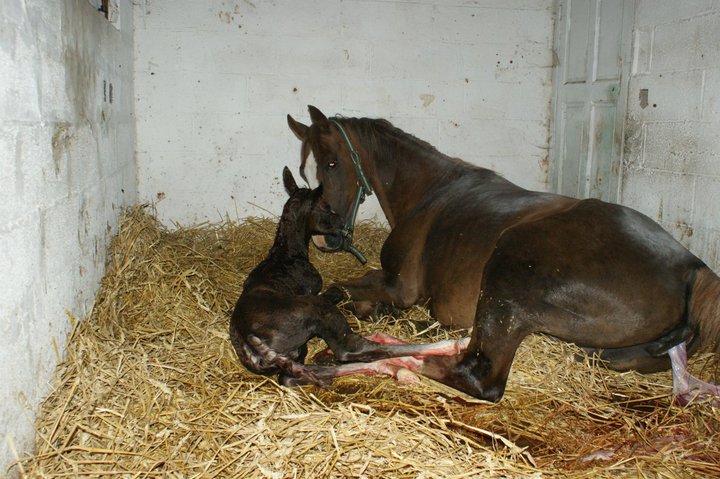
point(215, 80)
point(66, 167)
point(672, 146)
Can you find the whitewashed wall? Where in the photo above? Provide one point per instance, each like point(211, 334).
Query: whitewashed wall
point(672, 147)
point(66, 167)
point(215, 80)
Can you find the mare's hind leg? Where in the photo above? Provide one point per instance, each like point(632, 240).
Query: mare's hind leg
point(482, 370)
point(648, 357)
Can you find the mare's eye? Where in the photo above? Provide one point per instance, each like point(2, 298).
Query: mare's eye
point(332, 164)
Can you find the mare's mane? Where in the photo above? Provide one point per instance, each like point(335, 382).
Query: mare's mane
point(385, 140)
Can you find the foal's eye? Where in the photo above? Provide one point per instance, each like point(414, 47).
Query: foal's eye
point(332, 164)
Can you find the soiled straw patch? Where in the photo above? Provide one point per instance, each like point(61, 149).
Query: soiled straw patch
point(151, 388)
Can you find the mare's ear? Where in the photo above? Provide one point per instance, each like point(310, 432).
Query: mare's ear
point(316, 115)
point(289, 182)
point(298, 128)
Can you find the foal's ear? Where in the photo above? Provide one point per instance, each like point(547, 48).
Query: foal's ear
point(289, 182)
point(316, 115)
point(298, 128)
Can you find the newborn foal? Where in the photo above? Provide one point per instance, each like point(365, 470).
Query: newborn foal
point(279, 310)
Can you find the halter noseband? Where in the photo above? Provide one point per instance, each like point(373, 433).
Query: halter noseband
point(364, 190)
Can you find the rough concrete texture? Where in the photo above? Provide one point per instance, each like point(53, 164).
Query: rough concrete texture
point(67, 154)
point(672, 147)
point(215, 80)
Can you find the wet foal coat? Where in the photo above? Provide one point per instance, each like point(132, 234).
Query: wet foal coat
point(279, 310)
point(508, 261)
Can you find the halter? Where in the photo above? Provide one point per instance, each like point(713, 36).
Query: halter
point(364, 190)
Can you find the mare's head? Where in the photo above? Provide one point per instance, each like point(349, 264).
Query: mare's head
point(326, 160)
point(308, 208)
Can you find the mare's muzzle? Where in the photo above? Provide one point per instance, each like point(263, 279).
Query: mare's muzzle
point(344, 240)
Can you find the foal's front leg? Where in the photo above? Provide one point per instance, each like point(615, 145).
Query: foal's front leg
point(347, 345)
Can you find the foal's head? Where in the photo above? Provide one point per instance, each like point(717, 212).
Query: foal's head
point(309, 212)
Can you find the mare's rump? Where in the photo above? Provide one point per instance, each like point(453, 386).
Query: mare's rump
point(599, 275)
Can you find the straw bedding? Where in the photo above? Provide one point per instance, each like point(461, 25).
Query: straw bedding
point(151, 387)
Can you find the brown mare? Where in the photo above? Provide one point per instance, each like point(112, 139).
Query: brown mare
point(279, 310)
point(510, 262)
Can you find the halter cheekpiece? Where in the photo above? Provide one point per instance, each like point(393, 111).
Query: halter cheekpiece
point(364, 190)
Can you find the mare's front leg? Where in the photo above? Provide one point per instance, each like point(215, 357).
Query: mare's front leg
point(374, 294)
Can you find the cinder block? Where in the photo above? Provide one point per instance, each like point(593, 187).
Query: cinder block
point(428, 61)
point(19, 76)
point(711, 96)
point(21, 238)
point(704, 242)
point(160, 50)
point(642, 50)
point(287, 18)
point(308, 56)
point(213, 52)
point(504, 138)
point(510, 62)
point(165, 131)
point(665, 197)
point(391, 25)
point(509, 101)
point(707, 199)
point(657, 12)
point(290, 93)
point(485, 25)
point(672, 96)
point(404, 97)
point(687, 45)
point(686, 147)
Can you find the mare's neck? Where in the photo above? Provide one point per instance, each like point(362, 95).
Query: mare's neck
point(407, 173)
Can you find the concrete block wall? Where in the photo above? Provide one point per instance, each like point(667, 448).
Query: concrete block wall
point(215, 80)
point(66, 168)
point(672, 146)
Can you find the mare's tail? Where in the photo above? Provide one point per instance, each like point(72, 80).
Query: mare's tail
point(705, 309)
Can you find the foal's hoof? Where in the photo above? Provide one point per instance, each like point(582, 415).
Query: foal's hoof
point(324, 358)
point(334, 294)
point(382, 309)
point(292, 381)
